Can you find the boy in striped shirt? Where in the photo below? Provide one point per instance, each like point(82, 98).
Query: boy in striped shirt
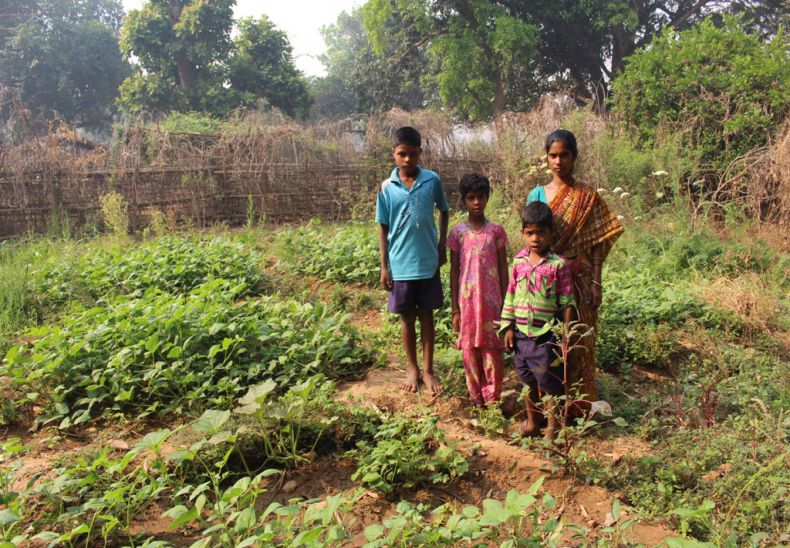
point(539, 294)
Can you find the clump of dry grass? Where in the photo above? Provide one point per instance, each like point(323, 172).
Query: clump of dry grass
point(749, 297)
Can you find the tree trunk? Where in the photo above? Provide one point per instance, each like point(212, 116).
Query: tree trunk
point(187, 73)
point(499, 101)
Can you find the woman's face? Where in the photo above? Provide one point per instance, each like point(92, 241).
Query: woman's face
point(560, 159)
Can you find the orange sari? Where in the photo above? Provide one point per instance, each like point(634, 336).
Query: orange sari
point(582, 221)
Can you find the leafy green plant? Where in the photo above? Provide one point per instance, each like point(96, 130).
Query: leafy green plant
point(172, 264)
point(11, 507)
point(406, 453)
point(291, 427)
point(516, 521)
point(349, 255)
point(717, 85)
point(231, 517)
point(490, 420)
point(115, 211)
point(97, 496)
point(161, 353)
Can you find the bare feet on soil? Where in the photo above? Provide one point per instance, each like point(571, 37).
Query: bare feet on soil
point(412, 381)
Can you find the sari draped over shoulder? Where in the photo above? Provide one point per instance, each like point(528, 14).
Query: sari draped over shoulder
point(583, 221)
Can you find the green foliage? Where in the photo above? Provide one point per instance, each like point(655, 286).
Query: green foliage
point(192, 122)
point(190, 62)
point(115, 212)
point(171, 264)
point(162, 353)
point(360, 79)
point(722, 89)
point(348, 255)
point(407, 453)
point(519, 520)
point(718, 429)
point(649, 292)
point(476, 46)
point(290, 428)
point(63, 56)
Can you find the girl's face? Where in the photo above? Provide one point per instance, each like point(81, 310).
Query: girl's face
point(475, 202)
point(560, 159)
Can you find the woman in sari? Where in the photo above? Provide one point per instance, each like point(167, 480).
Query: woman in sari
point(584, 232)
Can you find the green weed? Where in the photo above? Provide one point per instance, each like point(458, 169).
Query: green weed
point(406, 453)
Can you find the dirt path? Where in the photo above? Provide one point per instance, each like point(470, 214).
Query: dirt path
point(496, 465)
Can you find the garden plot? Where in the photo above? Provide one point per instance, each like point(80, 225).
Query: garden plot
point(244, 405)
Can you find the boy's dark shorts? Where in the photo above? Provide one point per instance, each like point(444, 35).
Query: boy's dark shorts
point(535, 362)
point(408, 295)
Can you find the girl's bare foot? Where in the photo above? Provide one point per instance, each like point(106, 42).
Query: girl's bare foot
point(412, 380)
point(528, 428)
point(432, 383)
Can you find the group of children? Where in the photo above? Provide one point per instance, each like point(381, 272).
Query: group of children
point(493, 310)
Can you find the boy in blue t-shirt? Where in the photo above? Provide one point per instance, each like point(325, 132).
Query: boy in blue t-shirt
point(410, 253)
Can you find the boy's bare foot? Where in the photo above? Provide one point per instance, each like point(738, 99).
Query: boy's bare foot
point(412, 380)
point(549, 434)
point(528, 428)
point(432, 383)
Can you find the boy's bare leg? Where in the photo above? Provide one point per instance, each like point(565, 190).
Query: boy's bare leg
point(428, 337)
point(531, 427)
point(409, 336)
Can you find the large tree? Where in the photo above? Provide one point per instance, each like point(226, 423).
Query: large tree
point(478, 48)
point(360, 79)
point(583, 45)
point(189, 62)
point(63, 56)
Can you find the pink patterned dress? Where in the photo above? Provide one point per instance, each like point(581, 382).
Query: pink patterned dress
point(480, 300)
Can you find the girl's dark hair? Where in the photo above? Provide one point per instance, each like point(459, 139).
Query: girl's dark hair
point(536, 213)
point(563, 135)
point(407, 135)
point(472, 182)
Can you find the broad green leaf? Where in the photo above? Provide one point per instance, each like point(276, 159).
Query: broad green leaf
point(373, 532)
point(8, 517)
point(211, 421)
point(180, 515)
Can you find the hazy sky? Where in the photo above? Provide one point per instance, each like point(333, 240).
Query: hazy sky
point(300, 19)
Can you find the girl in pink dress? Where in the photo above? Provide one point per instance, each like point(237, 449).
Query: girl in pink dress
point(478, 281)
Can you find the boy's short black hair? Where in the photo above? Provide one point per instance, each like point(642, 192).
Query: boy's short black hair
point(472, 182)
point(537, 213)
point(407, 135)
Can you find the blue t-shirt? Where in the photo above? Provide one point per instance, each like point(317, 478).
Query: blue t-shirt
point(538, 194)
point(409, 214)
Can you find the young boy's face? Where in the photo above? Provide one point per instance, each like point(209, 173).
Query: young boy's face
point(537, 238)
point(407, 158)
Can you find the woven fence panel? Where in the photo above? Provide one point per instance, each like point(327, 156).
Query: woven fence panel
point(278, 192)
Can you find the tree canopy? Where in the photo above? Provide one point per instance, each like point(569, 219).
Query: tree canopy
point(63, 56)
point(721, 89)
point(360, 79)
point(476, 46)
point(189, 62)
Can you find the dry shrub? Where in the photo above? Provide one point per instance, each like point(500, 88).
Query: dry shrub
point(749, 298)
point(759, 181)
point(436, 131)
point(520, 165)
